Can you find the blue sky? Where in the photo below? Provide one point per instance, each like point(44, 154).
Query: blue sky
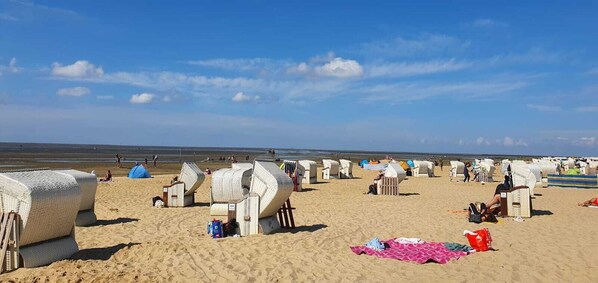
point(432, 76)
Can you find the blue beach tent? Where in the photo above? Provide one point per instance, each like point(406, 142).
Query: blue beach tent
point(138, 171)
point(410, 163)
point(363, 162)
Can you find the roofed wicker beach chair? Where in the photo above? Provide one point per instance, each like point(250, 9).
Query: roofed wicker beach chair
point(346, 169)
point(47, 203)
point(182, 192)
point(88, 183)
point(330, 170)
point(310, 176)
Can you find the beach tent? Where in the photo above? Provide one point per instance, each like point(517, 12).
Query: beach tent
point(138, 171)
point(88, 183)
point(363, 162)
point(410, 163)
point(48, 203)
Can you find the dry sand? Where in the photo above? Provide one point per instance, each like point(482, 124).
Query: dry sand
point(135, 242)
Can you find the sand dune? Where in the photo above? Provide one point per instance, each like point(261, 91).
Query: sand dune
point(135, 242)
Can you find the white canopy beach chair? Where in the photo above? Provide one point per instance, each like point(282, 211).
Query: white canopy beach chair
point(229, 185)
point(270, 188)
point(420, 169)
point(330, 170)
point(295, 170)
point(346, 169)
point(523, 176)
point(431, 166)
point(487, 170)
point(182, 192)
point(457, 169)
point(47, 203)
point(88, 183)
point(394, 170)
point(310, 176)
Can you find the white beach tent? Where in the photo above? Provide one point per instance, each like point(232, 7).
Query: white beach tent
point(394, 170)
point(346, 169)
point(48, 203)
point(229, 185)
point(457, 168)
point(270, 188)
point(310, 176)
point(88, 183)
point(182, 193)
point(330, 170)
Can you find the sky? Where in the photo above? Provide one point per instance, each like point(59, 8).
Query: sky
point(495, 77)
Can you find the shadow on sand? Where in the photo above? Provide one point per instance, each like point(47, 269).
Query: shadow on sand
point(308, 189)
point(119, 220)
point(101, 253)
point(408, 194)
point(200, 204)
point(298, 229)
point(537, 212)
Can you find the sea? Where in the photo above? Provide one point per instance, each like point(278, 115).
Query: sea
point(96, 153)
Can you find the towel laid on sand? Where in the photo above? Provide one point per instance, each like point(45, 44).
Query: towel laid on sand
point(420, 253)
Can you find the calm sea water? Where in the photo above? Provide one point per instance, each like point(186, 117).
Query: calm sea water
point(81, 153)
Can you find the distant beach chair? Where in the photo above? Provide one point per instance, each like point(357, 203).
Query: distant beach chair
point(330, 170)
point(182, 192)
point(523, 176)
point(88, 184)
point(346, 169)
point(457, 168)
point(48, 203)
point(310, 176)
point(420, 169)
point(393, 176)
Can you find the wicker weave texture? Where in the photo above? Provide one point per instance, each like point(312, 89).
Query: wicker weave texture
point(272, 185)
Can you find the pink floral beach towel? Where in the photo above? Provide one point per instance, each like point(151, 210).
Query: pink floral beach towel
point(420, 253)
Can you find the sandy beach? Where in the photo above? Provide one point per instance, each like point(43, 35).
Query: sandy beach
point(133, 241)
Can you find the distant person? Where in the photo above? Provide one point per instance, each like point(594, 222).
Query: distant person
point(146, 161)
point(373, 188)
point(155, 159)
point(591, 202)
point(108, 177)
point(441, 163)
point(247, 157)
point(466, 173)
point(208, 171)
point(118, 160)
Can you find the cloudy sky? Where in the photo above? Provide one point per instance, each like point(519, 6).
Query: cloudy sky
point(466, 77)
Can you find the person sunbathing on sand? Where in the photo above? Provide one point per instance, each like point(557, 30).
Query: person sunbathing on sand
point(108, 177)
point(591, 202)
point(373, 188)
point(494, 203)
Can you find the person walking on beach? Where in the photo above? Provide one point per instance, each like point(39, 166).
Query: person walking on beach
point(440, 164)
point(146, 161)
point(466, 173)
point(118, 160)
point(155, 159)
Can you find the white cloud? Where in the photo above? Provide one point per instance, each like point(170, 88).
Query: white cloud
point(242, 97)
point(586, 141)
point(142, 98)
point(105, 97)
point(73, 91)
point(11, 68)
point(593, 71)
point(586, 109)
point(250, 64)
point(414, 69)
point(487, 23)
point(167, 98)
point(507, 141)
point(426, 44)
point(301, 69)
point(482, 141)
point(544, 108)
point(340, 68)
point(79, 69)
point(7, 17)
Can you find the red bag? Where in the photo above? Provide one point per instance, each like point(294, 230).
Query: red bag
point(480, 240)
